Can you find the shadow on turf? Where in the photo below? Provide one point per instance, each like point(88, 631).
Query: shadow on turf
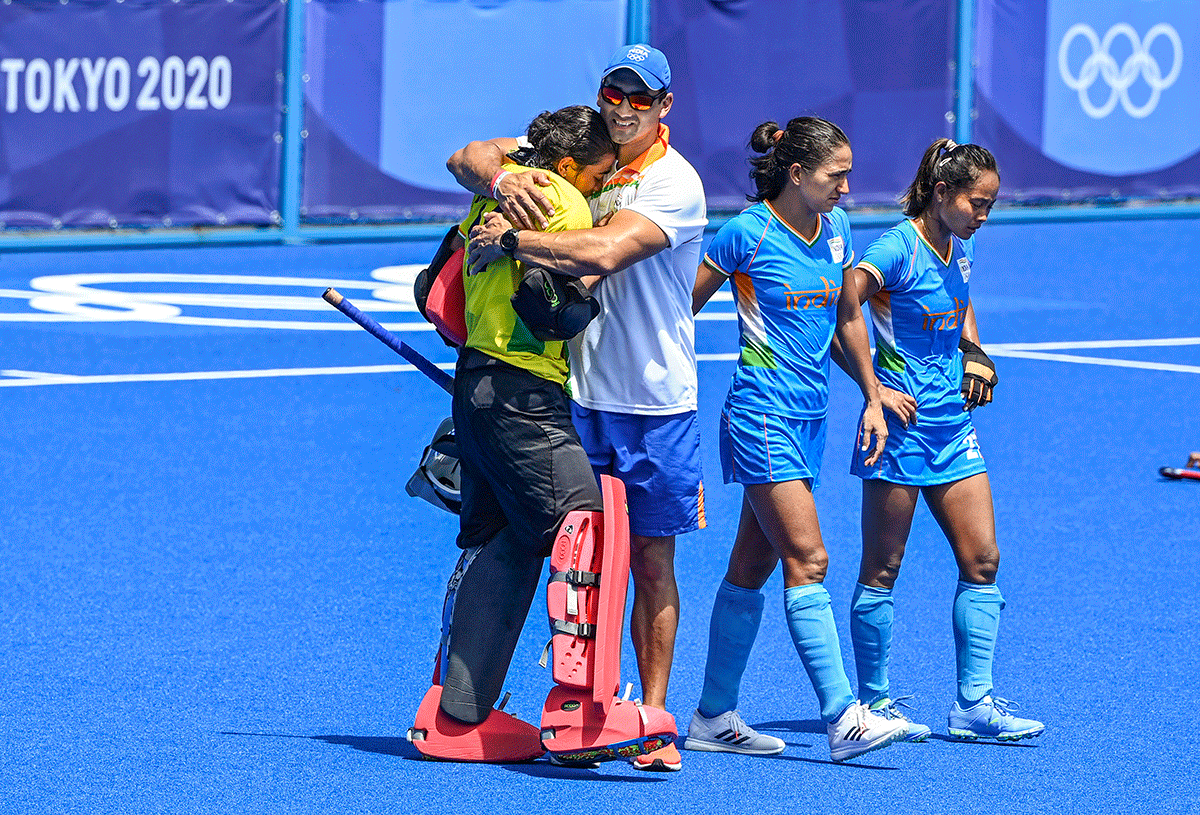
point(816, 727)
point(983, 742)
point(382, 745)
point(793, 726)
point(542, 768)
point(401, 748)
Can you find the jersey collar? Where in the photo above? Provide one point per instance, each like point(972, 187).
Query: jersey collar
point(816, 235)
point(949, 249)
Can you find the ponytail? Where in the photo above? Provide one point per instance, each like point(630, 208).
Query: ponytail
point(807, 141)
point(958, 166)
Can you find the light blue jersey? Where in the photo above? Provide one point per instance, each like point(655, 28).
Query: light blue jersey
point(786, 289)
point(918, 315)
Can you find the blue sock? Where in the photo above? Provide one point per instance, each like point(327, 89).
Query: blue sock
point(810, 621)
point(976, 621)
point(871, 615)
point(731, 631)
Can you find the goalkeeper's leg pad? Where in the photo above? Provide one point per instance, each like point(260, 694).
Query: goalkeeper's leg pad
point(500, 738)
point(582, 719)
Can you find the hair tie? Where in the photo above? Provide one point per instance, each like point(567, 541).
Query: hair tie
point(947, 148)
point(778, 137)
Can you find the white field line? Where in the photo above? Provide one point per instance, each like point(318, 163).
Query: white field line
point(1040, 350)
point(1116, 363)
point(1084, 344)
point(19, 378)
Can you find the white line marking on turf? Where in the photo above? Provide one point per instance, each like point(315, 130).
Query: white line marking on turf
point(20, 379)
point(1082, 344)
point(1117, 363)
point(38, 375)
point(83, 298)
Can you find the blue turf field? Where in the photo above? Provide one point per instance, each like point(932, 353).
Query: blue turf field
point(217, 598)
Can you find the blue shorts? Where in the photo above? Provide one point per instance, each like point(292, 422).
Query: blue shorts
point(658, 458)
point(763, 448)
point(924, 455)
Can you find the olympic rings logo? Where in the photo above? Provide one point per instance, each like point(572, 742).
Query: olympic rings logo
point(1100, 64)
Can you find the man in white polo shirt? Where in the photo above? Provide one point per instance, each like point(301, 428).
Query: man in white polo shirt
point(633, 371)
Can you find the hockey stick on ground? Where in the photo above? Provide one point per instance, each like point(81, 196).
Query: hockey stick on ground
point(1178, 473)
point(439, 377)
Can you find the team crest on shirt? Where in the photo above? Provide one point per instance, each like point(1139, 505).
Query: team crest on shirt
point(964, 266)
point(837, 248)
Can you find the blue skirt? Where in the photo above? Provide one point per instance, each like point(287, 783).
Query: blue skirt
point(924, 455)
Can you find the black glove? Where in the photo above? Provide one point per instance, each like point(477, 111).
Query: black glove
point(979, 375)
point(554, 307)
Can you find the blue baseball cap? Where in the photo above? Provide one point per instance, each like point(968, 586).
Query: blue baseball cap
point(648, 63)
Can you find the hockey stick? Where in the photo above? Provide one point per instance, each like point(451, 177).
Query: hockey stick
point(1179, 473)
point(439, 377)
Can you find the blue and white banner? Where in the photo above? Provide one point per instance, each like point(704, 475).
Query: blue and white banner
point(1091, 98)
point(1120, 96)
point(136, 112)
point(395, 86)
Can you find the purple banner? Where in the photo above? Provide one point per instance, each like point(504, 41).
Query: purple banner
point(140, 113)
point(880, 69)
point(426, 77)
point(1090, 99)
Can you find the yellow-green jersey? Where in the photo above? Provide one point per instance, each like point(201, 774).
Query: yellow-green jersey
point(492, 325)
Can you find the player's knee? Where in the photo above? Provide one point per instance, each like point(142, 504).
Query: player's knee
point(652, 561)
point(883, 574)
point(983, 567)
point(809, 569)
point(816, 571)
point(750, 574)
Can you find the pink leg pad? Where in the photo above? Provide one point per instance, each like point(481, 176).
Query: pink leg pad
point(499, 739)
point(573, 597)
point(574, 728)
point(606, 678)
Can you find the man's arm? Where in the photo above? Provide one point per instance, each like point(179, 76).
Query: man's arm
point(627, 238)
point(517, 194)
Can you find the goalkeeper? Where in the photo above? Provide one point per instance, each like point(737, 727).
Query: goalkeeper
point(932, 374)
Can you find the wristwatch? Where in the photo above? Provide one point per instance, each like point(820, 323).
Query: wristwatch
point(508, 242)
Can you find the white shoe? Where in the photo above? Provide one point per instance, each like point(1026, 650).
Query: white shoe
point(727, 733)
point(859, 731)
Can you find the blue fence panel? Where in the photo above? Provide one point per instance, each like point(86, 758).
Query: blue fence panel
point(883, 71)
point(395, 86)
point(140, 113)
point(148, 114)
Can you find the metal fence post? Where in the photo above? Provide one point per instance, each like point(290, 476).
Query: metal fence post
point(293, 123)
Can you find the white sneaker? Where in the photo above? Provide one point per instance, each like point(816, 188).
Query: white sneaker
point(727, 733)
point(859, 731)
